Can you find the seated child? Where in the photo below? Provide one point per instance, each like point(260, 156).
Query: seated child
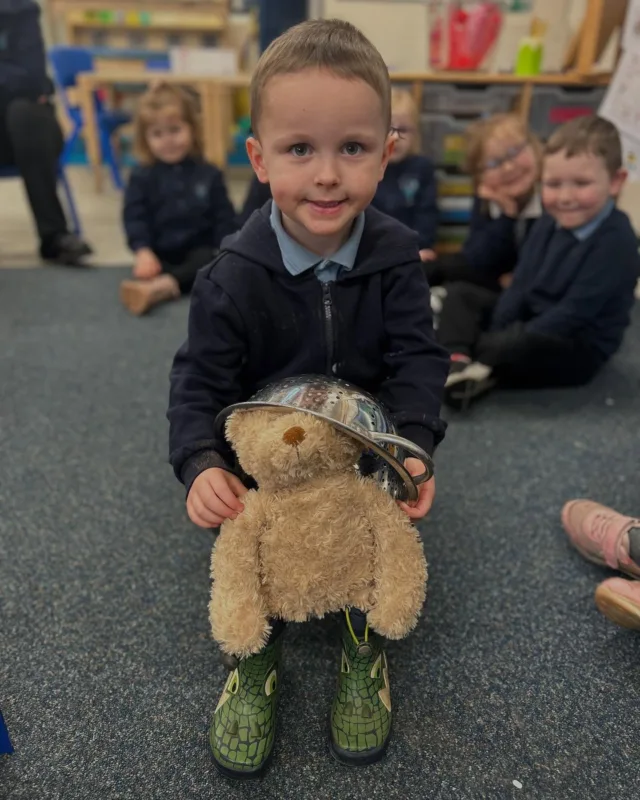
point(565, 313)
point(408, 191)
point(176, 208)
point(611, 540)
point(315, 282)
point(503, 158)
point(257, 195)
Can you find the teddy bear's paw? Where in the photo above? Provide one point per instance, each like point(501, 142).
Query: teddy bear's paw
point(243, 729)
point(242, 629)
point(396, 622)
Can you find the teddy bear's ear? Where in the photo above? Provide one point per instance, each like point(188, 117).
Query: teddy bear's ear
point(244, 425)
point(238, 423)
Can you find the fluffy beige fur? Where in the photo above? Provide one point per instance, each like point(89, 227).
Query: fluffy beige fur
point(313, 539)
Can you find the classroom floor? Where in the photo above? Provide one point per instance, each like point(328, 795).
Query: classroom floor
point(512, 686)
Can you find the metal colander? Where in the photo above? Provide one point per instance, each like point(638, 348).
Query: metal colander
point(359, 415)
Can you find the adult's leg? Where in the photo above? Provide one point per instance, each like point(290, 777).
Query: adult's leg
point(185, 268)
point(465, 314)
point(35, 145)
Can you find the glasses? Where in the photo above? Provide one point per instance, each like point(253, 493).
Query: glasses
point(510, 154)
point(403, 131)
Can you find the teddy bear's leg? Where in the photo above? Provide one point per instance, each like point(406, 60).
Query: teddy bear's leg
point(400, 574)
point(237, 611)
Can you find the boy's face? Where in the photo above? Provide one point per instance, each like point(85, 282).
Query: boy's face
point(169, 138)
point(323, 148)
point(403, 125)
point(575, 190)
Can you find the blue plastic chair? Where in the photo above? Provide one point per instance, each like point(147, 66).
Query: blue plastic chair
point(66, 63)
point(14, 172)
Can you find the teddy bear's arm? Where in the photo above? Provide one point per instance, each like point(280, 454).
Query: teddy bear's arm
point(400, 571)
point(237, 611)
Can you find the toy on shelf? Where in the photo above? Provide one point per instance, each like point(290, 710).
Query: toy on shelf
point(462, 33)
point(142, 24)
point(531, 50)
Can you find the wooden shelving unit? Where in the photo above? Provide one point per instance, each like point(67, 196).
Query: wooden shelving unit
point(155, 25)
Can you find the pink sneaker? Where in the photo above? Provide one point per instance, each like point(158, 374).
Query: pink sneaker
point(603, 536)
point(619, 600)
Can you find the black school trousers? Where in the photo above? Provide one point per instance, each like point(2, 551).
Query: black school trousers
point(517, 356)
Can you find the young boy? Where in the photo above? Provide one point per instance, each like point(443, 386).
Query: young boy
point(316, 282)
point(565, 313)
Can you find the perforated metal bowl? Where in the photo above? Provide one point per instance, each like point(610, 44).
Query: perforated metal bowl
point(359, 415)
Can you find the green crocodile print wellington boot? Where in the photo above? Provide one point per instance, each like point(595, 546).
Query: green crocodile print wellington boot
point(361, 711)
point(244, 723)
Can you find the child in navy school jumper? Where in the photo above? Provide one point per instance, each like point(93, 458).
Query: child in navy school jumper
point(504, 158)
point(257, 195)
point(315, 282)
point(176, 207)
point(408, 191)
point(565, 313)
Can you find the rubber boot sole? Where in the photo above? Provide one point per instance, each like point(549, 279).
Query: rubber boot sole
point(361, 759)
point(617, 608)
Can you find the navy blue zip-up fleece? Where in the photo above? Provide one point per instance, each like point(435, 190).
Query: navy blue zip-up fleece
point(581, 293)
point(251, 323)
point(174, 208)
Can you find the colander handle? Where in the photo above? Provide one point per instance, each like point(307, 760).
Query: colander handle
point(413, 449)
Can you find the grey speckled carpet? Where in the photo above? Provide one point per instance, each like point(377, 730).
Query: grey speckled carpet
point(107, 673)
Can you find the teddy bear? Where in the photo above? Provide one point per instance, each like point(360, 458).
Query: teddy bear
point(314, 538)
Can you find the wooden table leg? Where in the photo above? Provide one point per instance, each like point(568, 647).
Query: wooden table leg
point(203, 91)
point(90, 129)
point(218, 124)
point(524, 102)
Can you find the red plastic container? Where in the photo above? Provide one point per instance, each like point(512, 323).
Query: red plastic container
point(462, 33)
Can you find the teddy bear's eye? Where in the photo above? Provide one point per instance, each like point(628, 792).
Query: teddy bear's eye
point(271, 684)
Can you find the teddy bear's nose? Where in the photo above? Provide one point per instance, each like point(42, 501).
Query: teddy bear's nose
point(294, 436)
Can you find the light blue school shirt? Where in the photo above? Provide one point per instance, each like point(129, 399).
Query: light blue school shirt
point(297, 259)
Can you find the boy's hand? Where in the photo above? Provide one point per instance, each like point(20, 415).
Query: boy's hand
point(146, 265)
point(505, 280)
point(213, 497)
point(428, 255)
point(426, 492)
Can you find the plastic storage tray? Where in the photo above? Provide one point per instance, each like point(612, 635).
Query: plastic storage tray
point(443, 139)
point(447, 98)
point(551, 106)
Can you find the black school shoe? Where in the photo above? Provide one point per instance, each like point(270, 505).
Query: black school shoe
point(467, 382)
point(66, 249)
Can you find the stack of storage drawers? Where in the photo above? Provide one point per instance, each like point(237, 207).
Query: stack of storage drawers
point(447, 111)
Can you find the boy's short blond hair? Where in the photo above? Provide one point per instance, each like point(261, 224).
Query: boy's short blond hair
point(479, 133)
point(165, 99)
point(327, 44)
point(402, 101)
point(588, 135)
